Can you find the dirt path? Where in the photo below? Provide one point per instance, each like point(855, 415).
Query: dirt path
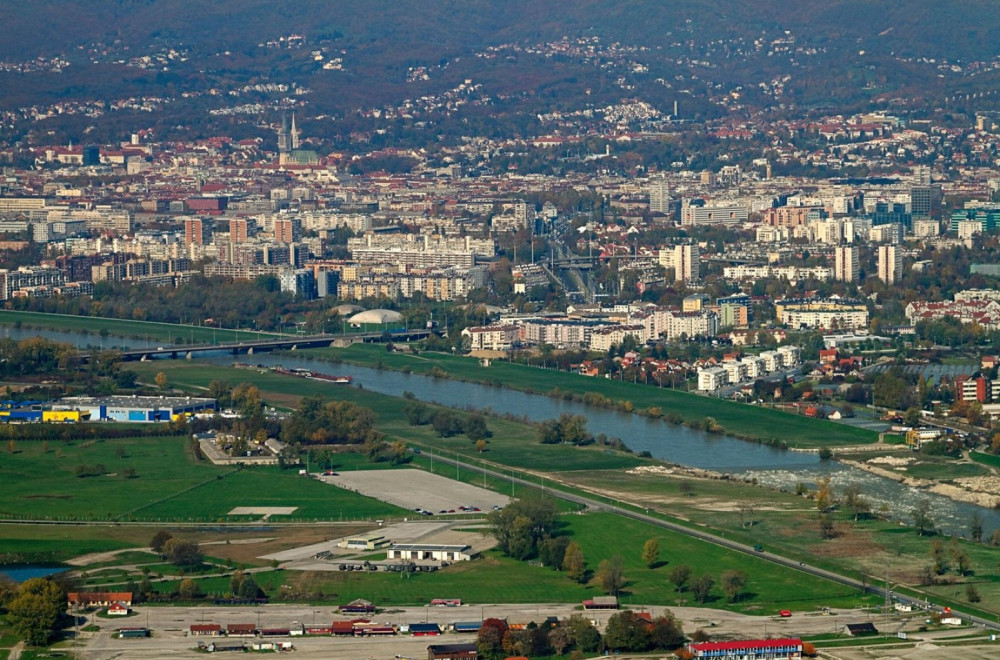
point(98, 557)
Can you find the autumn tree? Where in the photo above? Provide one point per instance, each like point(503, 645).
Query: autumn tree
point(489, 641)
point(188, 589)
point(824, 493)
point(573, 562)
point(34, 613)
point(161, 380)
point(651, 552)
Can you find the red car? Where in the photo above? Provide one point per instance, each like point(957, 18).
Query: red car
point(785, 613)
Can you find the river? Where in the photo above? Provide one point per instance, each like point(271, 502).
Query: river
point(676, 444)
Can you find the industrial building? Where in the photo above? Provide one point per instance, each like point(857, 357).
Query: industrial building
point(143, 409)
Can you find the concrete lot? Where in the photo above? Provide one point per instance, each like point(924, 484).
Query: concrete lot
point(409, 489)
point(421, 531)
point(170, 626)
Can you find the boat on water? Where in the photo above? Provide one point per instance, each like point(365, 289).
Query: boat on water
point(313, 375)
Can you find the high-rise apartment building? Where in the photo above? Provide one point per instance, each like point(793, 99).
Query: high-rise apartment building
point(239, 230)
point(845, 266)
point(197, 231)
point(659, 196)
point(890, 263)
point(687, 263)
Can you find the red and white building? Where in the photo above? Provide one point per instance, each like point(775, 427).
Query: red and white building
point(751, 649)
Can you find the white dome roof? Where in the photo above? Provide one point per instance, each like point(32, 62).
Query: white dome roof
point(377, 316)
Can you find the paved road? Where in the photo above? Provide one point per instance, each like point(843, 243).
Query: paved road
point(718, 540)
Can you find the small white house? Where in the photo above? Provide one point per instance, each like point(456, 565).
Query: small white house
point(118, 609)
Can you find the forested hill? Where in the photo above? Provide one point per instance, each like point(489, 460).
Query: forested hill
point(949, 29)
point(530, 56)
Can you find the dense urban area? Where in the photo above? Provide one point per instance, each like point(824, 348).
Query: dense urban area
point(523, 335)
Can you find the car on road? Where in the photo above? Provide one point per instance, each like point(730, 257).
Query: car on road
point(784, 614)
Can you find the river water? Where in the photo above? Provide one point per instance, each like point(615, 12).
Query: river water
point(676, 444)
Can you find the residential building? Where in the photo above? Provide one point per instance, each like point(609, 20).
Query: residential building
point(659, 196)
point(827, 314)
point(492, 337)
point(846, 267)
point(712, 378)
point(197, 231)
point(890, 263)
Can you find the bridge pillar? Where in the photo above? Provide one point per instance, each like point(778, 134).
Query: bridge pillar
point(143, 358)
point(295, 347)
point(189, 355)
point(250, 351)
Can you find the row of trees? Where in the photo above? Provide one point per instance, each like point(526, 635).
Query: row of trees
point(446, 423)
point(625, 631)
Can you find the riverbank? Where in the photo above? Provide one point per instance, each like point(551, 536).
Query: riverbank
point(983, 491)
point(751, 423)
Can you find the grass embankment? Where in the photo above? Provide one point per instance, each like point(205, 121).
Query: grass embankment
point(514, 443)
point(169, 333)
point(39, 481)
point(744, 421)
point(788, 525)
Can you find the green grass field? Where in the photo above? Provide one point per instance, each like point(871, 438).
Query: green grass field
point(171, 485)
point(745, 421)
point(496, 579)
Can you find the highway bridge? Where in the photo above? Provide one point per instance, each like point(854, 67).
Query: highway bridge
point(267, 345)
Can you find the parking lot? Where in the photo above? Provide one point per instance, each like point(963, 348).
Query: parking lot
point(432, 494)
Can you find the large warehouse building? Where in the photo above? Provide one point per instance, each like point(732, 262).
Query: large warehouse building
point(147, 409)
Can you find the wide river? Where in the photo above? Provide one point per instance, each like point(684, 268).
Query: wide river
point(667, 442)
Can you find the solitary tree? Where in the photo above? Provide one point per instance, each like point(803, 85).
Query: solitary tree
point(733, 584)
point(611, 574)
point(680, 575)
point(702, 588)
point(747, 507)
point(855, 502)
point(976, 527)
point(161, 380)
point(573, 562)
point(651, 552)
point(922, 517)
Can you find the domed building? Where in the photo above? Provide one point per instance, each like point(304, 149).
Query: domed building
point(376, 317)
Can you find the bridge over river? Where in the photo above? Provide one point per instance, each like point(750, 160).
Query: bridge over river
point(267, 345)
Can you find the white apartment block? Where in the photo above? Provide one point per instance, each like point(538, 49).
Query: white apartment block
point(890, 263)
point(736, 371)
point(773, 360)
point(659, 196)
point(604, 338)
point(790, 355)
point(685, 261)
point(846, 263)
point(711, 379)
point(492, 337)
